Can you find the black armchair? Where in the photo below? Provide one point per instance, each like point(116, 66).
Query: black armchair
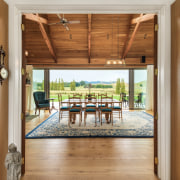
point(40, 101)
point(139, 99)
point(124, 99)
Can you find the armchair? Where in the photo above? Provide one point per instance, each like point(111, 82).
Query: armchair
point(40, 101)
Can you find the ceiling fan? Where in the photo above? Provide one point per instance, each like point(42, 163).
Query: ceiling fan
point(64, 22)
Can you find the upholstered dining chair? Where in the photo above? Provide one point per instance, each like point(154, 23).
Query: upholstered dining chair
point(100, 96)
point(117, 107)
point(63, 106)
point(107, 109)
point(40, 101)
point(77, 95)
point(90, 108)
point(75, 108)
point(90, 94)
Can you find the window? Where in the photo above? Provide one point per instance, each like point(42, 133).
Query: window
point(38, 80)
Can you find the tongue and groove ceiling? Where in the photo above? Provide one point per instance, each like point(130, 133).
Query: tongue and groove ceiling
point(97, 38)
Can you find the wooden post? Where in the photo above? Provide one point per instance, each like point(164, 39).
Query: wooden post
point(23, 72)
point(155, 98)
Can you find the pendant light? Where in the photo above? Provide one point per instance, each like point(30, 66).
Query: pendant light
point(118, 60)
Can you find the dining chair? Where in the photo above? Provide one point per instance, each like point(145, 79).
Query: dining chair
point(89, 96)
point(77, 95)
point(90, 108)
point(100, 96)
point(63, 106)
point(107, 109)
point(92, 94)
point(75, 108)
point(117, 107)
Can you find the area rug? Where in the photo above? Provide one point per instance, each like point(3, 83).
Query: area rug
point(30, 117)
point(133, 124)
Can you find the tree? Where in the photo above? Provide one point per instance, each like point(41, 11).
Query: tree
point(62, 85)
point(77, 84)
point(55, 85)
point(118, 86)
point(52, 85)
point(123, 88)
point(43, 85)
point(73, 85)
point(59, 84)
point(82, 83)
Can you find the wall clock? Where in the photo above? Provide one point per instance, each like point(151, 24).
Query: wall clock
point(3, 73)
point(3, 70)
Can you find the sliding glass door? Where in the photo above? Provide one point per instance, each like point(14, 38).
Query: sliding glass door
point(140, 84)
point(112, 82)
point(38, 80)
point(131, 83)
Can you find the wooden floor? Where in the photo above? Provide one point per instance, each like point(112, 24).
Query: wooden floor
point(89, 159)
point(38, 120)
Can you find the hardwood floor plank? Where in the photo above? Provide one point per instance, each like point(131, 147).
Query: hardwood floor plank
point(89, 158)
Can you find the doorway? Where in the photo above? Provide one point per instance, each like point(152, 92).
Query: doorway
point(163, 39)
point(135, 98)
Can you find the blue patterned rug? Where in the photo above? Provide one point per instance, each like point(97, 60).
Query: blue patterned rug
point(133, 124)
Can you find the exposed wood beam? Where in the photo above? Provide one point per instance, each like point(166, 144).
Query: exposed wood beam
point(127, 36)
point(47, 40)
point(89, 37)
point(143, 18)
point(87, 66)
point(36, 18)
point(131, 39)
point(83, 61)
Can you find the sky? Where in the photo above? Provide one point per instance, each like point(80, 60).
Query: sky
point(90, 75)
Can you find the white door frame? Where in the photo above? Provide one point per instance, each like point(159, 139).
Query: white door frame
point(161, 7)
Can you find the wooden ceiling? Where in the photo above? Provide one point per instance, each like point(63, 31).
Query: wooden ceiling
point(97, 38)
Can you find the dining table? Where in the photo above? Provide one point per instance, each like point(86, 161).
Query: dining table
point(83, 103)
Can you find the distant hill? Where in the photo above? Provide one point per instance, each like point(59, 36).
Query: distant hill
point(141, 84)
point(140, 87)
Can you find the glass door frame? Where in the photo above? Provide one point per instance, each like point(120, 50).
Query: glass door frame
point(46, 80)
point(131, 87)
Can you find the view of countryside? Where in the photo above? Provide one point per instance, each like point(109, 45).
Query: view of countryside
point(114, 82)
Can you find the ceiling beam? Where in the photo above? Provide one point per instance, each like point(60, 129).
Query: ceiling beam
point(83, 61)
point(35, 18)
point(47, 40)
point(127, 36)
point(143, 18)
point(89, 37)
point(87, 66)
point(131, 39)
